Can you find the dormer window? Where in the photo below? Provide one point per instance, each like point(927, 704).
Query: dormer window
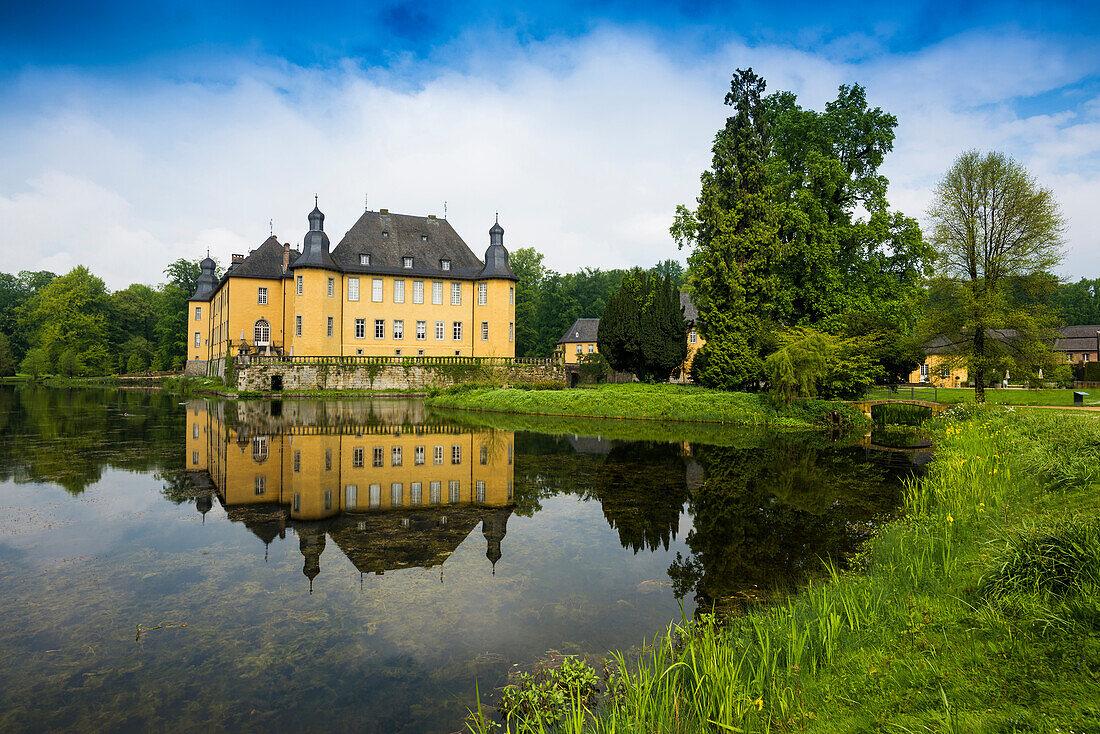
point(423, 238)
point(364, 258)
point(407, 262)
point(444, 264)
point(385, 234)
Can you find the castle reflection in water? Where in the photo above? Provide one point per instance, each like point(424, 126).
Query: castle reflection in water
point(387, 487)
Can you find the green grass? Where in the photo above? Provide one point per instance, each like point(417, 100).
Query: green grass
point(979, 611)
point(650, 402)
point(993, 396)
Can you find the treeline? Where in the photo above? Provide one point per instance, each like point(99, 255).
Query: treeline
point(1078, 303)
point(74, 325)
point(548, 302)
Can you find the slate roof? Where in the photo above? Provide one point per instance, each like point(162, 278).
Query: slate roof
point(582, 330)
point(389, 238)
point(266, 261)
point(1077, 338)
point(691, 314)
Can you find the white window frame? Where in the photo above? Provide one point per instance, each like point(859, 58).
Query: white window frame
point(297, 325)
point(364, 258)
point(357, 457)
point(378, 456)
point(379, 328)
point(353, 289)
point(437, 455)
point(418, 456)
point(374, 496)
point(351, 496)
point(444, 264)
point(440, 331)
point(261, 333)
point(456, 454)
point(511, 295)
point(437, 292)
point(331, 287)
point(407, 262)
point(330, 327)
point(484, 331)
point(198, 339)
point(261, 295)
point(399, 291)
point(376, 290)
point(456, 294)
point(418, 291)
point(397, 492)
point(482, 293)
point(434, 492)
point(299, 284)
point(421, 330)
point(455, 488)
point(693, 337)
point(360, 328)
point(396, 456)
point(416, 490)
point(198, 313)
point(456, 331)
point(399, 328)
point(511, 331)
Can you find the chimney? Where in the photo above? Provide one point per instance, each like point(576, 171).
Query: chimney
point(237, 258)
point(286, 256)
point(384, 212)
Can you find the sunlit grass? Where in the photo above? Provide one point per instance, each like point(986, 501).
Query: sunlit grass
point(978, 611)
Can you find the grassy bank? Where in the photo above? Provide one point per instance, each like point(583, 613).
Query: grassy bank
point(649, 402)
point(993, 396)
point(978, 612)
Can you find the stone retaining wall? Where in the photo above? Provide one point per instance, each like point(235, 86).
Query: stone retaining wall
point(409, 376)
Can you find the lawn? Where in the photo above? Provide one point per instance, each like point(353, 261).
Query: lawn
point(994, 396)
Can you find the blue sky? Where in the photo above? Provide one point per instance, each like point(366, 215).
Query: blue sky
point(134, 133)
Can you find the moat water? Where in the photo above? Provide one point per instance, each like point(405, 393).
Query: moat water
point(361, 566)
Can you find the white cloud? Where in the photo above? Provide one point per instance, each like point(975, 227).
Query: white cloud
point(584, 146)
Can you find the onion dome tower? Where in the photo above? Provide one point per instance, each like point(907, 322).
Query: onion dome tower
point(496, 257)
point(207, 280)
point(315, 244)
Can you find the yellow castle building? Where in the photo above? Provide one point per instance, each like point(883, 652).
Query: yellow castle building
point(390, 489)
point(395, 285)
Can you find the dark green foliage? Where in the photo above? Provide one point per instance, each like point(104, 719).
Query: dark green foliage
point(793, 228)
point(7, 359)
point(642, 329)
point(809, 363)
point(595, 367)
point(1058, 560)
point(1079, 303)
point(135, 363)
point(1092, 371)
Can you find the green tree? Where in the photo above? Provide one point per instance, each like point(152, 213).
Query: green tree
point(997, 235)
point(68, 364)
point(734, 232)
point(7, 359)
point(36, 363)
point(1079, 303)
point(135, 363)
point(526, 263)
point(70, 312)
point(642, 329)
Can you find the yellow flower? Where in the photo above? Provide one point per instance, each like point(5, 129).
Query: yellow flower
point(950, 519)
point(759, 704)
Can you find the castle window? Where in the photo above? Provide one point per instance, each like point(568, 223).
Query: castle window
point(444, 264)
point(580, 349)
point(455, 488)
point(329, 326)
point(408, 261)
point(421, 330)
point(418, 291)
point(591, 348)
point(456, 294)
point(377, 455)
point(437, 292)
point(297, 503)
point(331, 287)
point(482, 293)
point(379, 328)
point(198, 313)
point(693, 337)
point(418, 455)
point(456, 454)
point(299, 280)
point(415, 490)
point(198, 339)
point(456, 331)
point(484, 455)
point(511, 331)
point(261, 333)
point(297, 461)
point(395, 458)
point(375, 496)
point(944, 372)
point(398, 291)
point(298, 325)
point(357, 457)
point(360, 329)
point(376, 290)
point(261, 296)
point(353, 289)
point(385, 234)
point(396, 492)
point(328, 499)
point(437, 455)
point(261, 483)
point(484, 331)
point(195, 458)
point(480, 490)
point(351, 496)
point(328, 459)
point(260, 449)
point(511, 295)
point(398, 328)
point(433, 492)
point(439, 333)
point(364, 258)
